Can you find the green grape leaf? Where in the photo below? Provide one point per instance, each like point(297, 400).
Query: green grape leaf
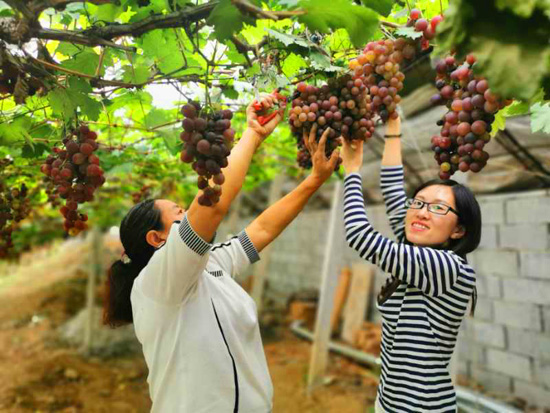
point(408, 32)
point(89, 108)
point(157, 117)
point(499, 123)
point(288, 39)
point(106, 12)
point(163, 46)
point(324, 15)
point(322, 62)
point(540, 117)
point(230, 93)
point(84, 62)
point(69, 49)
point(382, 7)
point(227, 20)
point(79, 84)
point(172, 141)
point(517, 108)
point(34, 151)
point(292, 65)
point(61, 103)
point(135, 74)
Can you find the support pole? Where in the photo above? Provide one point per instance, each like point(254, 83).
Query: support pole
point(329, 281)
point(260, 276)
point(93, 274)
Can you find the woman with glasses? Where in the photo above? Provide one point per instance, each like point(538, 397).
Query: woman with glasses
point(430, 284)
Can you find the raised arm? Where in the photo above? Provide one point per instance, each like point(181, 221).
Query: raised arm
point(392, 178)
point(174, 269)
point(264, 229)
point(205, 220)
point(432, 271)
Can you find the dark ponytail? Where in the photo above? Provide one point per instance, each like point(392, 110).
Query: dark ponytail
point(141, 219)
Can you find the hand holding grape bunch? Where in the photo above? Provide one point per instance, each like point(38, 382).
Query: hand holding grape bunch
point(268, 102)
point(323, 166)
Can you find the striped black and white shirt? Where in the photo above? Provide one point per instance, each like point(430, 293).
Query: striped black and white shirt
point(422, 317)
point(199, 329)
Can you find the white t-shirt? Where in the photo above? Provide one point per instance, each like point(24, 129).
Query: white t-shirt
point(199, 329)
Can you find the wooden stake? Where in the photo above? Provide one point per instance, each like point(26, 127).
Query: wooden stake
point(358, 299)
point(332, 258)
point(340, 298)
point(94, 273)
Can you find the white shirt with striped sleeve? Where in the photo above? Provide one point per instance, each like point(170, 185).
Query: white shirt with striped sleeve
point(199, 329)
point(422, 318)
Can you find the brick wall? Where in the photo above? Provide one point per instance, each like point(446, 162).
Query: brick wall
point(506, 346)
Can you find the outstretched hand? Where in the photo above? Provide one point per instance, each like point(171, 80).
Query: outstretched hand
point(267, 102)
point(352, 155)
point(323, 167)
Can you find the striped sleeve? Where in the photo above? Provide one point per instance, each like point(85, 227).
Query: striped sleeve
point(432, 271)
point(235, 254)
point(393, 191)
point(175, 268)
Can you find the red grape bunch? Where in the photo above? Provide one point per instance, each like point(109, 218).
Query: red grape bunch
point(340, 105)
point(380, 65)
point(76, 174)
point(427, 27)
point(14, 207)
point(466, 127)
point(208, 139)
point(143, 193)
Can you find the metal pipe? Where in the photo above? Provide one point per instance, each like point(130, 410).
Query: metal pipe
point(361, 356)
point(466, 398)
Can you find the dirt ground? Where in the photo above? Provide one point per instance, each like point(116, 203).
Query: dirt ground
point(39, 374)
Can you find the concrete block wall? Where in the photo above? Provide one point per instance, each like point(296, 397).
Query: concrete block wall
point(506, 346)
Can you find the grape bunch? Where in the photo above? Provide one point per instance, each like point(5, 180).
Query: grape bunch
point(14, 207)
point(379, 66)
point(143, 193)
point(208, 139)
point(76, 174)
point(466, 127)
point(340, 105)
point(425, 26)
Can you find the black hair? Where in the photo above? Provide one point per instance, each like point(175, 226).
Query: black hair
point(469, 217)
point(141, 219)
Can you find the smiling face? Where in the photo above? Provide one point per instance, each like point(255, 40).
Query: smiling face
point(424, 228)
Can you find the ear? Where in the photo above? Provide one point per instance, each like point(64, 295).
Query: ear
point(458, 232)
point(154, 238)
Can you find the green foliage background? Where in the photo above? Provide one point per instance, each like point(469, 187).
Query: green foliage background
point(221, 60)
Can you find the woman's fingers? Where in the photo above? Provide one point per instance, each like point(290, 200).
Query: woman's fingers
point(334, 158)
point(323, 141)
point(312, 135)
point(305, 138)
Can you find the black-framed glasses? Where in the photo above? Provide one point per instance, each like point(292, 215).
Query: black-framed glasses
point(433, 207)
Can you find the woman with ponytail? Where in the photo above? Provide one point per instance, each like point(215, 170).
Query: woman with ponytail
point(198, 328)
